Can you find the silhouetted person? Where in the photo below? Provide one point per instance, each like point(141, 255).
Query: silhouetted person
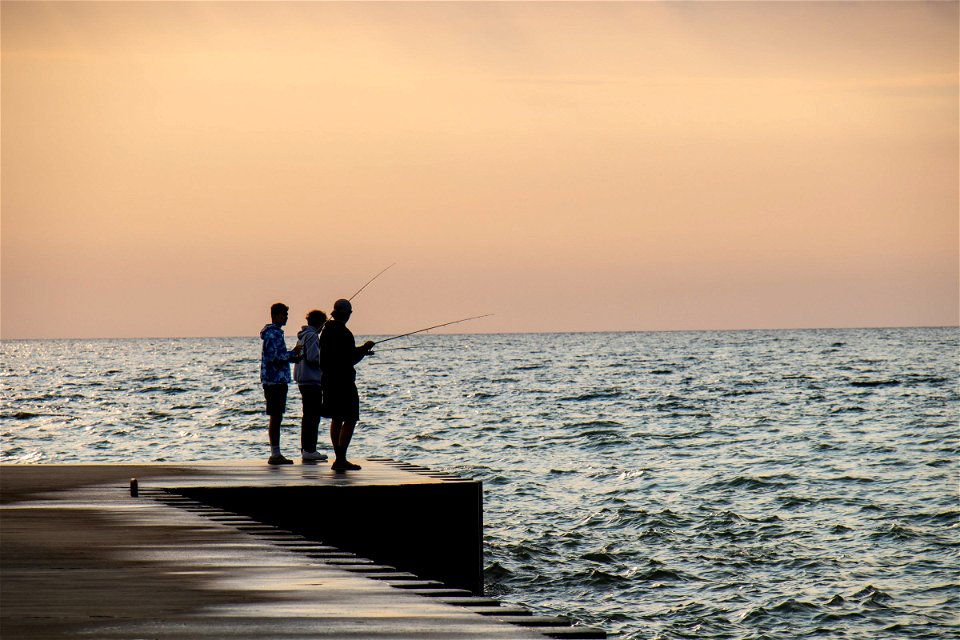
point(307, 373)
point(341, 402)
point(275, 376)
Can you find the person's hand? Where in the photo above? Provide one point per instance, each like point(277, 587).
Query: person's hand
point(297, 350)
point(369, 344)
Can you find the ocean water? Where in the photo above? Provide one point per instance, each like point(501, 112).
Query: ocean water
point(751, 484)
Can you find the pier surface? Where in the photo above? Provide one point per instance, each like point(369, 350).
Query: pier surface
point(81, 557)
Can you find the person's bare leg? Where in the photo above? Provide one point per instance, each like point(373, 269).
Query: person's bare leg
point(273, 432)
point(344, 434)
point(335, 427)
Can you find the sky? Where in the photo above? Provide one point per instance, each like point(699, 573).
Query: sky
point(172, 169)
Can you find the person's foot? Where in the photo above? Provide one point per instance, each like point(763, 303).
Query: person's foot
point(312, 456)
point(276, 460)
point(344, 465)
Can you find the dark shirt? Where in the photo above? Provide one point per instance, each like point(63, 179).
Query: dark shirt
point(339, 352)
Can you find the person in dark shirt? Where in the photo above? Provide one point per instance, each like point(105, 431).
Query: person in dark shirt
point(341, 401)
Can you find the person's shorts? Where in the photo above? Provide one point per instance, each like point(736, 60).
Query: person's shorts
point(340, 400)
point(276, 396)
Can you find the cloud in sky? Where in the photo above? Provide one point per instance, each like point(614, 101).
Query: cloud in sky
point(174, 168)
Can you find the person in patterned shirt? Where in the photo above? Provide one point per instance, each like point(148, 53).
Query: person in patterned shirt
point(275, 376)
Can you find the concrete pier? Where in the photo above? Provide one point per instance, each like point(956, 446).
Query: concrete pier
point(243, 550)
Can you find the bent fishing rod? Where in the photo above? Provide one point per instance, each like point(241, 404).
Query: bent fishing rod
point(436, 326)
point(368, 282)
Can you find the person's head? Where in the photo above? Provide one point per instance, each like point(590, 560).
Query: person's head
point(316, 318)
point(279, 313)
point(342, 310)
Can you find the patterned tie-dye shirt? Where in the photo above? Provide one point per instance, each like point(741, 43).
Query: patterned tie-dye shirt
point(275, 361)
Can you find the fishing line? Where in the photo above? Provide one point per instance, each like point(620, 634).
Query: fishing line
point(368, 282)
point(436, 326)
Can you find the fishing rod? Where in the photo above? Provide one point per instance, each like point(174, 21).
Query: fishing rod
point(436, 326)
point(368, 282)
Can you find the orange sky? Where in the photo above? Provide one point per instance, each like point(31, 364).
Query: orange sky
point(171, 169)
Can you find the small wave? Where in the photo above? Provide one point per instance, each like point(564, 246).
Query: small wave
point(871, 595)
point(661, 574)
point(45, 397)
point(897, 531)
point(653, 534)
point(24, 415)
point(851, 409)
point(601, 578)
point(794, 606)
point(661, 372)
point(496, 480)
point(528, 367)
point(792, 502)
point(243, 412)
point(593, 395)
point(32, 457)
point(630, 475)
point(599, 433)
point(752, 483)
point(663, 519)
point(598, 556)
point(790, 606)
point(166, 390)
point(612, 424)
point(874, 383)
point(496, 571)
point(948, 517)
point(922, 379)
point(601, 439)
point(690, 414)
point(946, 588)
point(630, 517)
point(856, 479)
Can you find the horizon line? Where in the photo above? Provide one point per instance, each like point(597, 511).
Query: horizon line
point(519, 333)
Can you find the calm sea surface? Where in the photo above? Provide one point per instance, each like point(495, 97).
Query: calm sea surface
point(753, 484)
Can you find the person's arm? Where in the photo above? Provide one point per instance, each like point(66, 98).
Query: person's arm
point(362, 350)
point(311, 350)
point(295, 355)
point(276, 350)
